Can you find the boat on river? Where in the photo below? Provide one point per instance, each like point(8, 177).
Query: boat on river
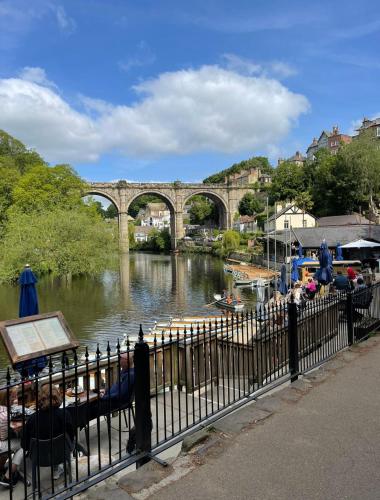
point(232, 306)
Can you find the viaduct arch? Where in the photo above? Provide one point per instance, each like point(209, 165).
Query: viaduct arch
point(175, 195)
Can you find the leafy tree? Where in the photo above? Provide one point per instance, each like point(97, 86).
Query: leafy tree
point(111, 212)
point(58, 241)
point(14, 149)
point(44, 220)
point(43, 188)
point(250, 205)
point(287, 181)
point(231, 240)
point(159, 241)
point(202, 210)
point(9, 176)
point(260, 162)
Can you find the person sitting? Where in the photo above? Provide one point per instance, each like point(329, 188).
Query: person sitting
point(360, 285)
point(49, 421)
point(15, 444)
point(351, 275)
point(297, 294)
point(229, 299)
point(121, 392)
point(341, 282)
point(311, 288)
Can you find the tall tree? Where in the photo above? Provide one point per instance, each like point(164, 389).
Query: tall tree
point(250, 205)
point(287, 181)
point(202, 210)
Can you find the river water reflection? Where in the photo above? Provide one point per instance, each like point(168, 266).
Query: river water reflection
point(147, 287)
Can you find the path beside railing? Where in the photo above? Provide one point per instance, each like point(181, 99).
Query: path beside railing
point(321, 442)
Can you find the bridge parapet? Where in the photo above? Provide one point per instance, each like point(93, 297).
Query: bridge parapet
point(176, 194)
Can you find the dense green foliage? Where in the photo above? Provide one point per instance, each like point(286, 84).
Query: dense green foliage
point(111, 212)
point(332, 184)
point(44, 220)
point(260, 162)
point(59, 241)
point(158, 241)
point(231, 240)
point(202, 210)
point(250, 205)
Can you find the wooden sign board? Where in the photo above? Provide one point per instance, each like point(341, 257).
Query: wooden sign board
point(33, 336)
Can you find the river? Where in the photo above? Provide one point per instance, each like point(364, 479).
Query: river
point(147, 287)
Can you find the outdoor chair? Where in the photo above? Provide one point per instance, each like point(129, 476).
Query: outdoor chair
point(50, 452)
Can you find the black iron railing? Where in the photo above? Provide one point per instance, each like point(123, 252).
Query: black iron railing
point(89, 417)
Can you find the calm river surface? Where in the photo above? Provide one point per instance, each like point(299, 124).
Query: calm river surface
point(147, 287)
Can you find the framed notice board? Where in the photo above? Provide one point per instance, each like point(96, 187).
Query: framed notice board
point(33, 336)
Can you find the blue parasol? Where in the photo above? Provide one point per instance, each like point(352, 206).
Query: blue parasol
point(324, 273)
point(300, 251)
point(283, 287)
point(339, 254)
point(294, 276)
point(28, 306)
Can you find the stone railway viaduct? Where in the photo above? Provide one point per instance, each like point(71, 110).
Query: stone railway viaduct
point(176, 194)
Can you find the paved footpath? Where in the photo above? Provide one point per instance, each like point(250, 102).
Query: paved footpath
point(319, 439)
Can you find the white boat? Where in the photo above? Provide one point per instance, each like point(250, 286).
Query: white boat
point(233, 306)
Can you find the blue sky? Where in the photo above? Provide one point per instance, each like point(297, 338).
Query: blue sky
point(165, 90)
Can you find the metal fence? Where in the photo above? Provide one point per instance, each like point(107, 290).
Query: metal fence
point(92, 416)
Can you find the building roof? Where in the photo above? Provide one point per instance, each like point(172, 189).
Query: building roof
point(297, 157)
point(244, 219)
point(368, 123)
point(312, 237)
point(326, 133)
point(284, 210)
point(314, 144)
point(343, 220)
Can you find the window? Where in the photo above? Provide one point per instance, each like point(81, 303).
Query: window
point(305, 223)
point(286, 224)
point(378, 131)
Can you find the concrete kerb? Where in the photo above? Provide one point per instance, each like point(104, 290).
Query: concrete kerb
point(194, 449)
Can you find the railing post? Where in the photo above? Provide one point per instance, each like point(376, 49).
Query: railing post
point(350, 322)
point(293, 340)
point(143, 422)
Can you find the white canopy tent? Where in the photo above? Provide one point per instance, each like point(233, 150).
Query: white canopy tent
point(361, 244)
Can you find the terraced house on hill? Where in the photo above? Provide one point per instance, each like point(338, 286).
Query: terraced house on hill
point(329, 140)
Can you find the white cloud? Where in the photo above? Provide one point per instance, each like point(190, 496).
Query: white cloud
point(281, 69)
point(242, 65)
point(36, 75)
point(143, 57)
point(246, 66)
point(65, 22)
point(209, 109)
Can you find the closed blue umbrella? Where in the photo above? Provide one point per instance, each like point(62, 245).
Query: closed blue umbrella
point(339, 254)
point(28, 296)
point(294, 276)
point(283, 287)
point(28, 306)
point(324, 273)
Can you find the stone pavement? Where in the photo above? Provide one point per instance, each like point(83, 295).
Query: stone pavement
point(317, 439)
